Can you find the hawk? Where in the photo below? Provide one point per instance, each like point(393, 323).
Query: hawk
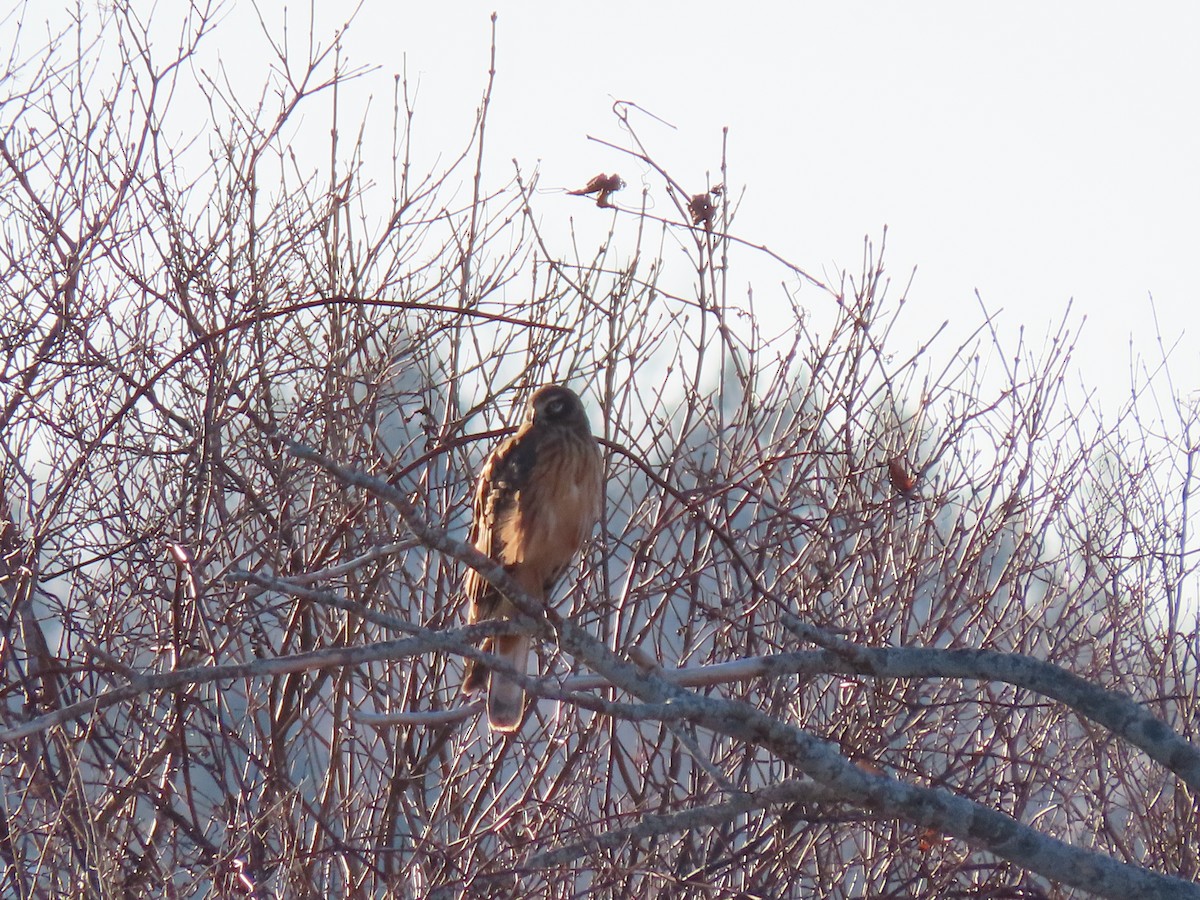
point(536, 501)
point(601, 185)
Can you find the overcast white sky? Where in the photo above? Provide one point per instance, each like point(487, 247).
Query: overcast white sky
point(1035, 152)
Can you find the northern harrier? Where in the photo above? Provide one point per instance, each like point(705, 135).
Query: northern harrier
point(537, 499)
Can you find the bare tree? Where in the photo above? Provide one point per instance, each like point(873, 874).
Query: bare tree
point(860, 619)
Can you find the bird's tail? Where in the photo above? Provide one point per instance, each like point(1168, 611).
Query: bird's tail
point(506, 698)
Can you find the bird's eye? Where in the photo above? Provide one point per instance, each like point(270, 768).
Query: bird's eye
point(556, 407)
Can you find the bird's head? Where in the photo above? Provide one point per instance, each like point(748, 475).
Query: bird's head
point(555, 404)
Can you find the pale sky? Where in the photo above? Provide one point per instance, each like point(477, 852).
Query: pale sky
point(1034, 152)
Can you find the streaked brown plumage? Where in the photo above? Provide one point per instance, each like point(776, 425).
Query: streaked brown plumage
point(537, 500)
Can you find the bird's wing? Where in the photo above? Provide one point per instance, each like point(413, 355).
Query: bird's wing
point(504, 476)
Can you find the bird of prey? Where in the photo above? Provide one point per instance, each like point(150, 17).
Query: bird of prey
point(536, 502)
point(601, 185)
